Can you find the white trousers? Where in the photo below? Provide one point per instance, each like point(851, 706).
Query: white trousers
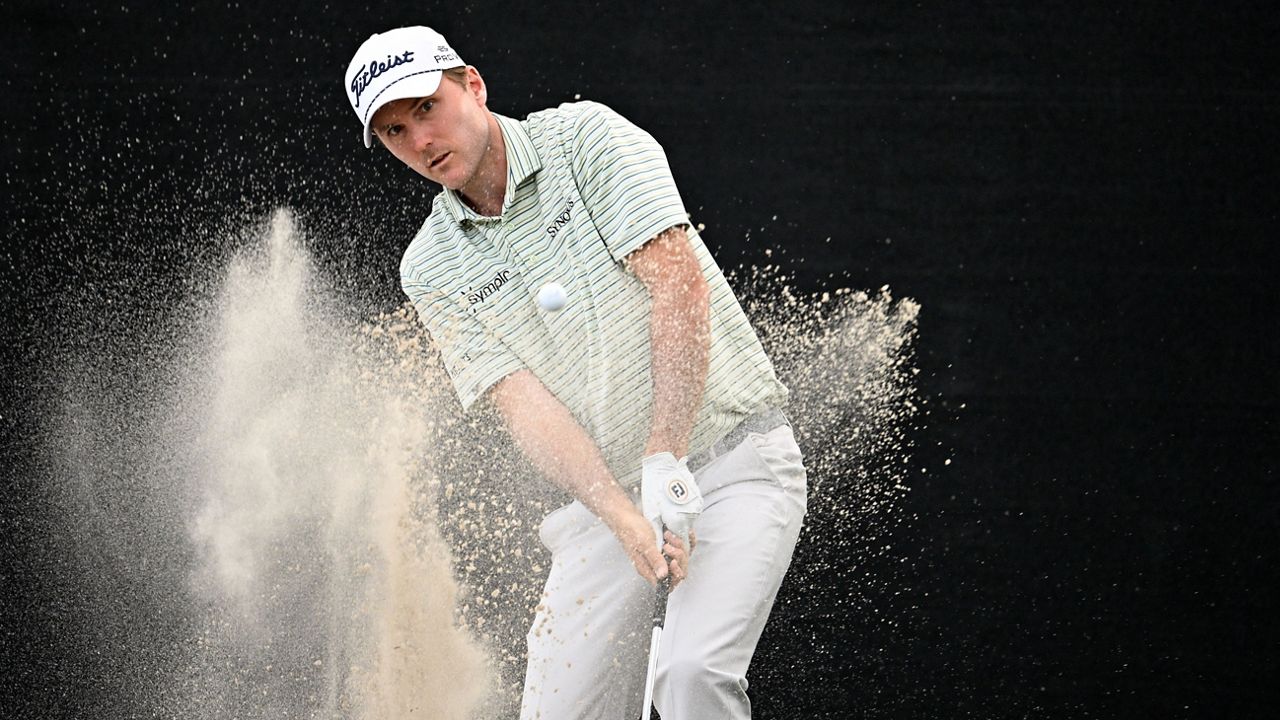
point(590, 638)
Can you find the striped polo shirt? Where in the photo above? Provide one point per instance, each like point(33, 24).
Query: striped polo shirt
point(585, 188)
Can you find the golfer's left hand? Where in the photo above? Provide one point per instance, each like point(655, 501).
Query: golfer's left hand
point(677, 556)
point(669, 494)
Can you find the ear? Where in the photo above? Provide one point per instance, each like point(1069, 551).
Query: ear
point(476, 86)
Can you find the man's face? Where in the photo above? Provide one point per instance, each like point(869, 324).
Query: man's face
point(444, 137)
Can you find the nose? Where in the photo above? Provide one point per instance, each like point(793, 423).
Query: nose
point(419, 137)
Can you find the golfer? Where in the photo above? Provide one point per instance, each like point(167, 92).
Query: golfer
point(647, 396)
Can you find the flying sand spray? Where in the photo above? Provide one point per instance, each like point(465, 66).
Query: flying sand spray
point(316, 458)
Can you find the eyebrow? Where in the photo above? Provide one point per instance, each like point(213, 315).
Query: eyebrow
point(416, 102)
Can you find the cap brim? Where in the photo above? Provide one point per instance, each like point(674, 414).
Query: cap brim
point(415, 85)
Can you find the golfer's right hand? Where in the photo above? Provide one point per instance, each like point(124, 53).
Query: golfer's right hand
point(636, 534)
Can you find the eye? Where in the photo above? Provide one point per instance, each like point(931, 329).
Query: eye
point(426, 105)
point(392, 130)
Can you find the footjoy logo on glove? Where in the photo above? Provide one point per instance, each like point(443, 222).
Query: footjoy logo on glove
point(678, 491)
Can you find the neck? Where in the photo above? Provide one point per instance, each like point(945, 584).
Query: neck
point(488, 187)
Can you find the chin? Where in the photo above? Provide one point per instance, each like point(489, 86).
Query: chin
point(443, 182)
point(453, 182)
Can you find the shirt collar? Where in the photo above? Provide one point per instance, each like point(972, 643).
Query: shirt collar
point(522, 163)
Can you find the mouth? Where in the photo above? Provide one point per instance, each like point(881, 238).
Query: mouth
point(439, 159)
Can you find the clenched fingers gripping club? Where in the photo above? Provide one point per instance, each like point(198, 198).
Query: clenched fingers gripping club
point(671, 500)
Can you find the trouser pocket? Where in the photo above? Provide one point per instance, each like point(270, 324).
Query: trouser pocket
point(771, 457)
point(565, 523)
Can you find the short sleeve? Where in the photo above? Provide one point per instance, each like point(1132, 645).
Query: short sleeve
point(473, 357)
point(624, 178)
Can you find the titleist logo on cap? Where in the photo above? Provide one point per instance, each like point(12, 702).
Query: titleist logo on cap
point(366, 75)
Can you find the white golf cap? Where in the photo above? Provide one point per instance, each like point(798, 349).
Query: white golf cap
point(403, 63)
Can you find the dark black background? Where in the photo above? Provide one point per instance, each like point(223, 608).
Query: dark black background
point(1082, 199)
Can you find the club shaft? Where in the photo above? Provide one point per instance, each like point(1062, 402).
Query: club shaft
point(655, 640)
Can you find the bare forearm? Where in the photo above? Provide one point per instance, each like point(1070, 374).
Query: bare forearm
point(680, 336)
point(558, 447)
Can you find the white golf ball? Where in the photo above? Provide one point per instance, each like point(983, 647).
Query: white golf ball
point(552, 297)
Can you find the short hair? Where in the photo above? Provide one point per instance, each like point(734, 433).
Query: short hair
point(457, 74)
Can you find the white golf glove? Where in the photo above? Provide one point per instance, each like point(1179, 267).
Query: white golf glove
point(669, 496)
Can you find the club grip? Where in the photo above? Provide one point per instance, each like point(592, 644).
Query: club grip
point(660, 601)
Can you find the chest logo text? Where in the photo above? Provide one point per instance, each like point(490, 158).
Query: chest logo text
point(561, 220)
point(488, 289)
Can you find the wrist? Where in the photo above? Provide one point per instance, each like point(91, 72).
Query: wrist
point(660, 443)
point(658, 459)
point(616, 508)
